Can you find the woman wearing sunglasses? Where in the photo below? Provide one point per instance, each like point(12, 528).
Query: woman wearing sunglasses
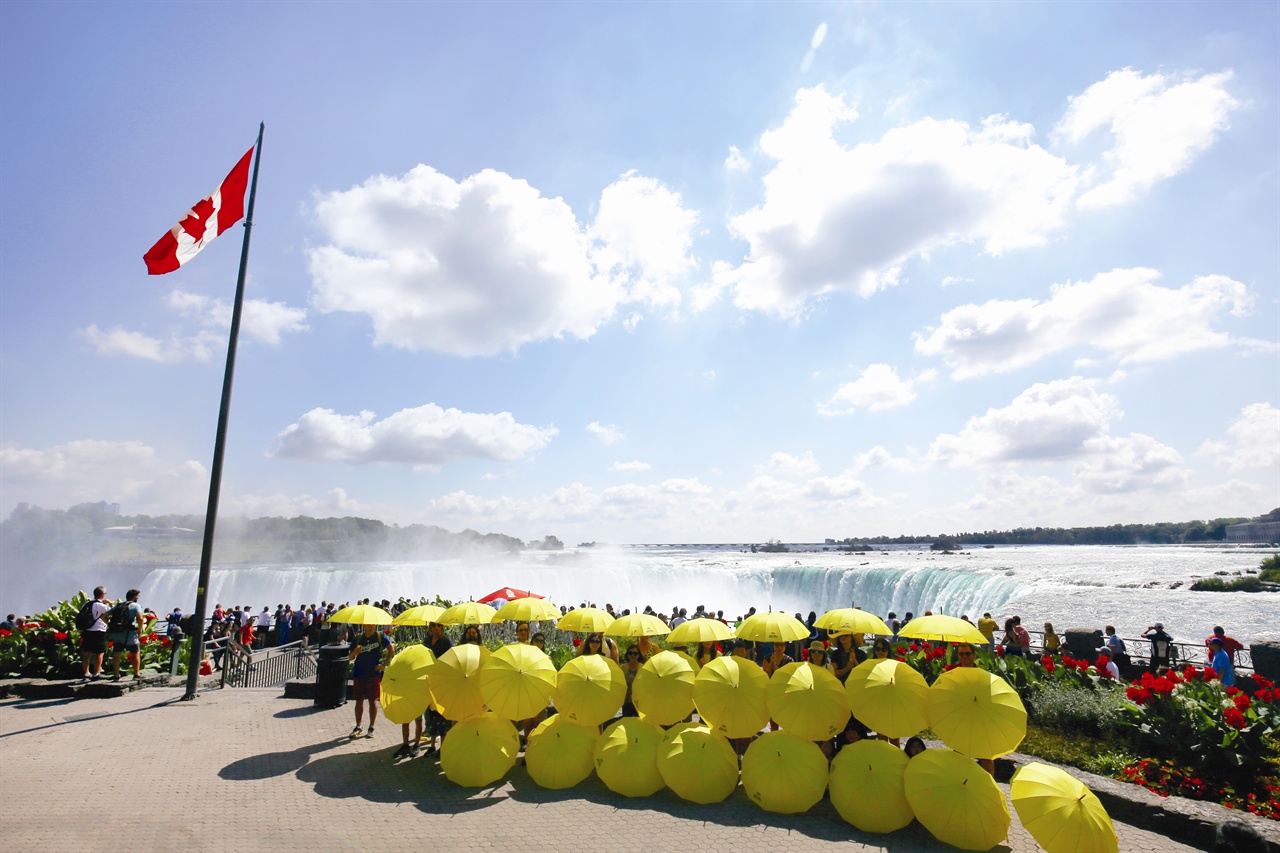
point(631, 665)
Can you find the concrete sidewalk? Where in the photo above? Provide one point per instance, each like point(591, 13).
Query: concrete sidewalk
point(247, 769)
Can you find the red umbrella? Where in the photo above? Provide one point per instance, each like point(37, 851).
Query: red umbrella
point(508, 594)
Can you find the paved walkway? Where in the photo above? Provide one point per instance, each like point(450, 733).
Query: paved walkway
point(247, 769)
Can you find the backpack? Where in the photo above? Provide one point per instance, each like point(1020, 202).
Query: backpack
point(118, 618)
point(85, 617)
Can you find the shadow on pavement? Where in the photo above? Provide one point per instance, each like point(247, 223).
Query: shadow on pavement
point(304, 711)
point(374, 777)
point(270, 764)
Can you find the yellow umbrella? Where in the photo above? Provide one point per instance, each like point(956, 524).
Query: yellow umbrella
point(1060, 812)
point(976, 713)
point(362, 614)
point(888, 697)
point(479, 752)
point(699, 765)
point(729, 694)
point(590, 690)
point(851, 620)
point(784, 774)
point(561, 754)
point(701, 630)
point(517, 681)
point(467, 613)
point(637, 625)
point(627, 757)
point(867, 788)
point(405, 693)
point(584, 620)
point(423, 614)
point(956, 800)
point(663, 689)
point(527, 610)
point(772, 628)
point(455, 682)
point(946, 628)
point(807, 701)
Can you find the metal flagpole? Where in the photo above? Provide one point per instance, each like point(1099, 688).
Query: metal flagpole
point(219, 445)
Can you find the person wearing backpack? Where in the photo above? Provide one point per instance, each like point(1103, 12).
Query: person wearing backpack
point(124, 628)
point(93, 634)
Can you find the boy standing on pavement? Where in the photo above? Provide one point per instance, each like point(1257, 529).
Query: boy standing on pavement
point(127, 640)
point(370, 650)
point(93, 641)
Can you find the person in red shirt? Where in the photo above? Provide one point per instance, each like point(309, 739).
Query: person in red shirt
point(1230, 645)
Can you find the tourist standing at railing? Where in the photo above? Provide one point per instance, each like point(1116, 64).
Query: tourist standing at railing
point(127, 640)
point(1011, 643)
point(1220, 660)
point(1052, 643)
point(264, 628)
point(1230, 645)
point(1119, 653)
point(1161, 644)
point(988, 627)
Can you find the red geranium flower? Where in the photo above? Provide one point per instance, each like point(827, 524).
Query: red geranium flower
point(4, 632)
point(950, 667)
point(1265, 694)
point(1101, 665)
point(915, 647)
point(1138, 695)
point(1234, 718)
point(1242, 701)
point(1262, 682)
point(59, 635)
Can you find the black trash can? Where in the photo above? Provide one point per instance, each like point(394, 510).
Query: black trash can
point(331, 676)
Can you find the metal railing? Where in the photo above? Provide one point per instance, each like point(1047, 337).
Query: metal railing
point(270, 667)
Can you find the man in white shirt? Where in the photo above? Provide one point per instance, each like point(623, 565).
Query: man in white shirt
point(93, 641)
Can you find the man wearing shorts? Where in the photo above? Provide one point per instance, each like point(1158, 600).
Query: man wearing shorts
point(127, 640)
point(370, 651)
point(93, 641)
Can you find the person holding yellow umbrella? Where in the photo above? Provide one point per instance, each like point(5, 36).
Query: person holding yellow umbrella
point(369, 651)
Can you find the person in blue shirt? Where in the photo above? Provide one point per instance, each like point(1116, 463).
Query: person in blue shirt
point(1221, 663)
point(370, 651)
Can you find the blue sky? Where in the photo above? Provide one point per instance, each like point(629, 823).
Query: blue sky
point(650, 272)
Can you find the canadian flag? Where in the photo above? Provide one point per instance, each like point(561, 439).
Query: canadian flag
point(208, 218)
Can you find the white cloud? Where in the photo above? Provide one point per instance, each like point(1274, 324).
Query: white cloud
point(815, 42)
point(642, 229)
point(425, 437)
point(129, 472)
point(1159, 123)
point(841, 218)
point(1134, 463)
point(629, 467)
point(789, 465)
point(1254, 440)
point(877, 389)
point(632, 321)
point(1123, 313)
point(735, 162)
point(260, 321)
point(880, 457)
point(1050, 421)
point(606, 433)
point(487, 264)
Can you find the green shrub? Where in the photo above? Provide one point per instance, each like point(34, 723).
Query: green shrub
point(1249, 584)
point(1270, 569)
point(1070, 708)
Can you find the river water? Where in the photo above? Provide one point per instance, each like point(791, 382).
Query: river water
point(1071, 586)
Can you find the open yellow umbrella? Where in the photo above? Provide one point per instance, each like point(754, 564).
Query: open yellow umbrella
point(584, 620)
point(455, 682)
point(590, 690)
point(700, 630)
point(627, 757)
point(867, 786)
point(423, 614)
point(698, 764)
point(478, 752)
point(527, 610)
point(772, 628)
point(851, 620)
point(561, 754)
point(663, 689)
point(1060, 812)
point(807, 701)
point(729, 693)
point(976, 713)
point(956, 800)
point(517, 681)
point(405, 692)
point(362, 614)
point(784, 774)
point(949, 629)
point(637, 625)
point(888, 697)
point(467, 613)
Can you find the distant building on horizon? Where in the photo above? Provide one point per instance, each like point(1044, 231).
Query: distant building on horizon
point(1254, 532)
